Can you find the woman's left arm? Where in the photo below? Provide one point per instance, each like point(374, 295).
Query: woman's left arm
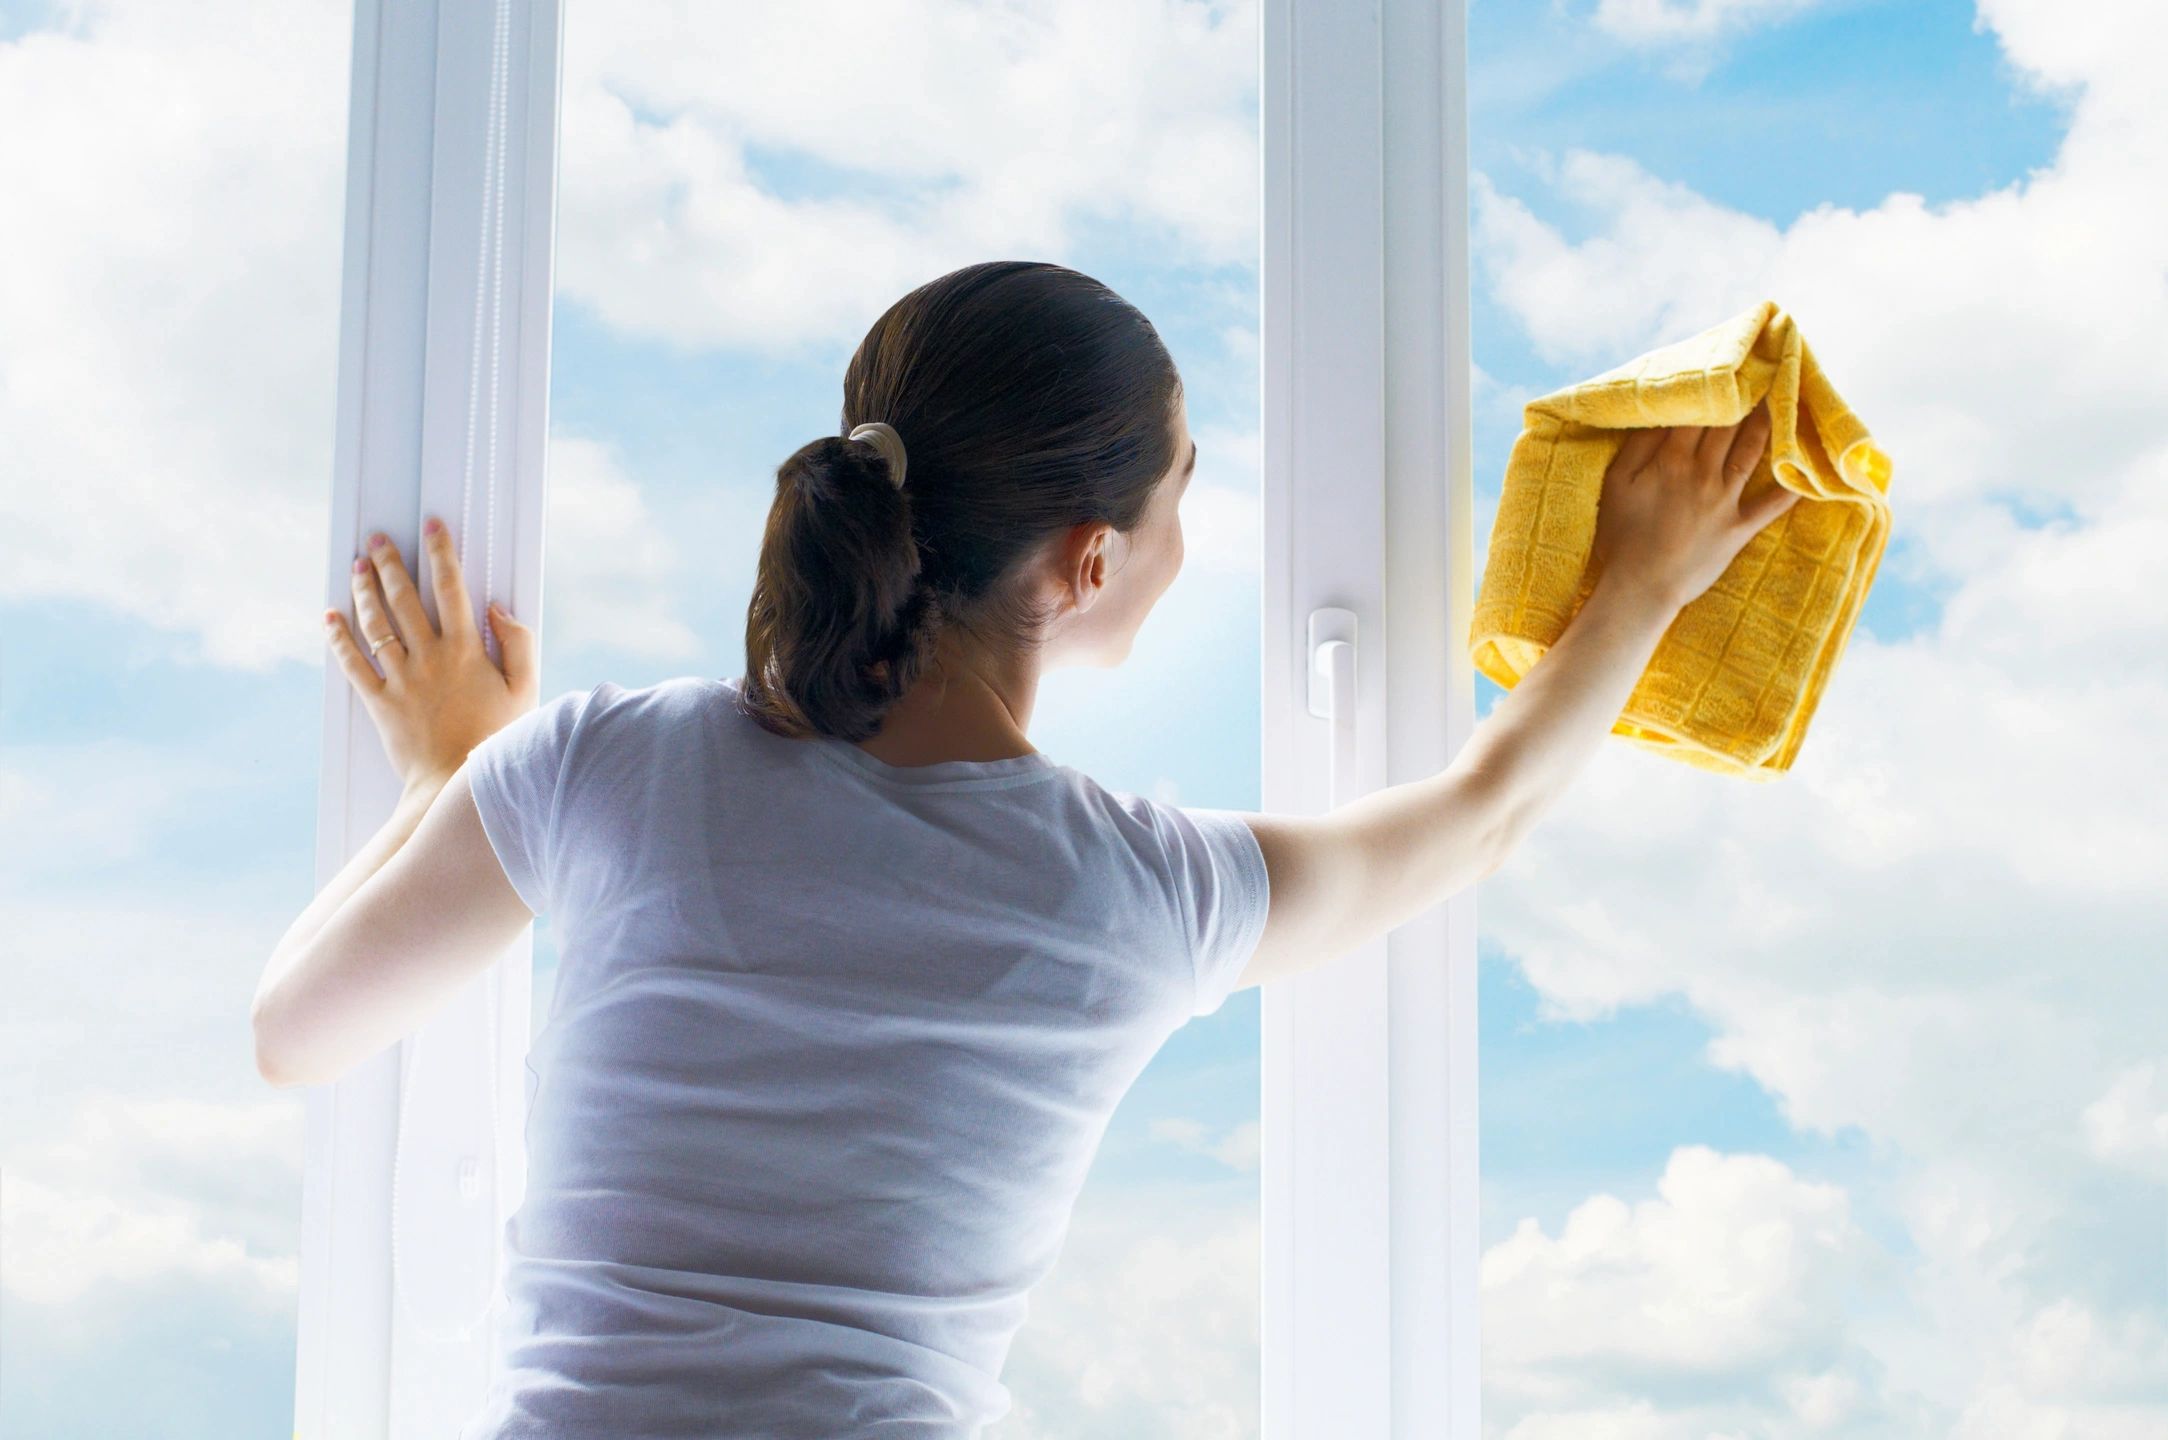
point(425, 905)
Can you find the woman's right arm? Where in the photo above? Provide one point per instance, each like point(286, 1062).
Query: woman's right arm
point(1669, 522)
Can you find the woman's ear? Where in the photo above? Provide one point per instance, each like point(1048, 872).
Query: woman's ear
point(1087, 562)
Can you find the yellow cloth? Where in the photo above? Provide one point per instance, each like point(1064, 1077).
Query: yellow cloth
point(1735, 679)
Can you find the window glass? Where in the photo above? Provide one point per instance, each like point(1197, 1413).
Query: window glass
point(174, 184)
point(745, 189)
point(1839, 1106)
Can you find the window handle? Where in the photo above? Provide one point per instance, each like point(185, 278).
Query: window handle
point(1332, 697)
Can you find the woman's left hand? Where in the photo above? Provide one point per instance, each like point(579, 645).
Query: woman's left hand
point(440, 694)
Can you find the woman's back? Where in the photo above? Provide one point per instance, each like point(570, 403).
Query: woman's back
point(832, 1046)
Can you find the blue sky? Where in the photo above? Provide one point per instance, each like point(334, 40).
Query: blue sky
point(1835, 1061)
point(1840, 107)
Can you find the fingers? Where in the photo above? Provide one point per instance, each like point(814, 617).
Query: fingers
point(1767, 506)
point(1634, 452)
point(351, 660)
point(455, 611)
point(400, 595)
point(515, 642)
point(1679, 444)
point(1743, 450)
point(1715, 443)
point(1746, 456)
point(373, 620)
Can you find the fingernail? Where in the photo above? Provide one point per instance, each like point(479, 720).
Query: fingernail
point(432, 525)
point(376, 541)
point(361, 564)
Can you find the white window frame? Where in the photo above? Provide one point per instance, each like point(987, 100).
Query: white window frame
point(443, 388)
point(1369, 1203)
point(1369, 1196)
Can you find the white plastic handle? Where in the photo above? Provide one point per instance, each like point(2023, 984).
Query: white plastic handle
point(1332, 697)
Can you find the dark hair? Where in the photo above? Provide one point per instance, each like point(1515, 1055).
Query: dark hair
point(1029, 398)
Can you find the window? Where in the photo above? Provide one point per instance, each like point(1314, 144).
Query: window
point(688, 162)
point(724, 245)
point(172, 180)
point(1837, 1107)
point(1870, 1112)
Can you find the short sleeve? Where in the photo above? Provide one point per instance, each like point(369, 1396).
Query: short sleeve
point(1220, 880)
point(516, 776)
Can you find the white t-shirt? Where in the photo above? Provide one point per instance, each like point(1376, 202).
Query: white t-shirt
point(832, 1045)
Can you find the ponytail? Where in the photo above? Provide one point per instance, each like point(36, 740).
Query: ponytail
point(839, 626)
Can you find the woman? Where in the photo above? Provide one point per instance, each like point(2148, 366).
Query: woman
point(851, 975)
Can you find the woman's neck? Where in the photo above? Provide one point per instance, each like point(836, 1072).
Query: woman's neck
point(964, 706)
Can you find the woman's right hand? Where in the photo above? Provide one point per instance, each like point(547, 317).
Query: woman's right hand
point(1670, 517)
point(1669, 520)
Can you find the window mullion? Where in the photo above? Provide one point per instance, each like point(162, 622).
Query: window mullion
point(442, 410)
point(1370, 1238)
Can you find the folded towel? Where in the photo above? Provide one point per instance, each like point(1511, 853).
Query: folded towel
point(1737, 676)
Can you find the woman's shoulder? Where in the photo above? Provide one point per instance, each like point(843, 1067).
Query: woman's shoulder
point(672, 696)
point(626, 714)
point(1139, 823)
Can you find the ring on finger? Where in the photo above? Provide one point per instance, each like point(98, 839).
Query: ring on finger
point(376, 645)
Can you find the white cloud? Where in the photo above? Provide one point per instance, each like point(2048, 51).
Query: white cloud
point(614, 570)
point(1687, 37)
point(668, 227)
point(1669, 22)
point(1239, 1148)
point(166, 982)
point(2128, 1125)
point(1223, 523)
point(1826, 1400)
point(64, 1243)
point(1724, 1305)
point(67, 809)
point(1637, 1421)
point(1737, 1266)
point(135, 1192)
point(1667, 261)
point(2004, 1413)
point(1147, 1326)
point(169, 320)
point(148, 1254)
point(1939, 930)
point(2066, 1349)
